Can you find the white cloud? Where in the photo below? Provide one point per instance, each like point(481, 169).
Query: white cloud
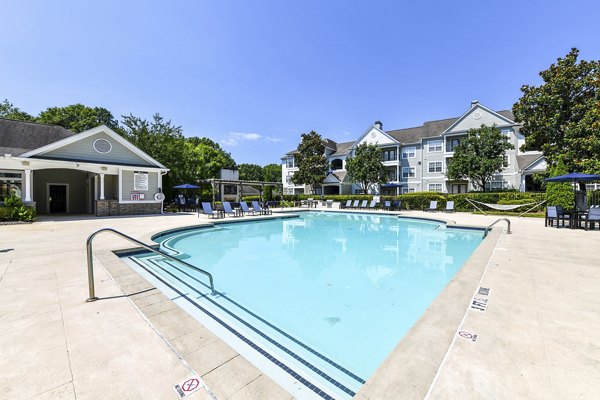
point(273, 139)
point(233, 138)
point(245, 136)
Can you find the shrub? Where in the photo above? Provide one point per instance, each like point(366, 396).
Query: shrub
point(15, 210)
point(560, 194)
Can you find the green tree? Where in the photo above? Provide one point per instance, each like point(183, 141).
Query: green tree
point(559, 193)
point(311, 161)
point(250, 172)
point(479, 156)
point(271, 173)
point(561, 117)
point(9, 111)
point(365, 167)
point(78, 118)
point(228, 163)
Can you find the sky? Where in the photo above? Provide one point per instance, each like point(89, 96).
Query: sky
point(255, 75)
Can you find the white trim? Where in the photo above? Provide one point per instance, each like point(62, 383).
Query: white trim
point(90, 132)
point(441, 141)
point(404, 150)
point(28, 185)
point(48, 196)
point(365, 133)
point(102, 152)
point(101, 186)
point(470, 110)
point(441, 184)
point(435, 172)
point(120, 184)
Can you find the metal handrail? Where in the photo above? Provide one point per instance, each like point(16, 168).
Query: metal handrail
point(90, 260)
point(495, 222)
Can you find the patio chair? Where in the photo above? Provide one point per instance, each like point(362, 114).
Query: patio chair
point(373, 205)
point(592, 217)
point(256, 207)
point(432, 206)
point(355, 204)
point(207, 209)
point(449, 206)
point(347, 205)
point(397, 205)
point(364, 204)
point(387, 205)
point(228, 210)
point(246, 209)
point(555, 213)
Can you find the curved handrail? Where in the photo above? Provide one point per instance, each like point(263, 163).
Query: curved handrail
point(494, 223)
point(90, 260)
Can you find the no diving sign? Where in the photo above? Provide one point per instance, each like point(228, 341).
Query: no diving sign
point(189, 386)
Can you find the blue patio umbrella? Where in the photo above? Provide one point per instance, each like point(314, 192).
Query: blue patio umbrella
point(574, 177)
point(186, 186)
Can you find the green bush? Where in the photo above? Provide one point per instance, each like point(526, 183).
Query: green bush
point(15, 210)
point(560, 194)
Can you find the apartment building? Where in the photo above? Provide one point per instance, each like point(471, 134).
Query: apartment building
point(416, 159)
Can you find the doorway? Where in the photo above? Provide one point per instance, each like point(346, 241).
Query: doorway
point(58, 198)
point(458, 188)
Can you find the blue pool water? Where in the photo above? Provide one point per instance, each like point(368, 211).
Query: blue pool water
point(329, 295)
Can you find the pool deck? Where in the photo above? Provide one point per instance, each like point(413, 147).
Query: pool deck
point(537, 339)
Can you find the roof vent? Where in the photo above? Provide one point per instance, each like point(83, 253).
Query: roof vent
point(378, 125)
point(474, 103)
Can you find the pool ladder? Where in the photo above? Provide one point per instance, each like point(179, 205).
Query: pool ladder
point(90, 260)
point(487, 230)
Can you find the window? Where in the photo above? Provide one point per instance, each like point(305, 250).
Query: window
point(391, 174)
point(289, 162)
point(506, 160)
point(10, 183)
point(409, 152)
point(497, 184)
point(408, 172)
point(407, 190)
point(453, 144)
point(288, 179)
point(435, 166)
point(435, 145)
point(506, 131)
point(434, 187)
point(388, 155)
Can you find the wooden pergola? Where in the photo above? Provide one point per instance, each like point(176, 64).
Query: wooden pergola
point(240, 183)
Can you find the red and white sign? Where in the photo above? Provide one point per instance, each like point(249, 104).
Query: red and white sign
point(189, 386)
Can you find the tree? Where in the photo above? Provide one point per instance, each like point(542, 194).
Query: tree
point(250, 172)
point(559, 193)
point(311, 161)
point(9, 111)
point(78, 118)
point(271, 173)
point(561, 117)
point(479, 156)
point(365, 168)
point(228, 161)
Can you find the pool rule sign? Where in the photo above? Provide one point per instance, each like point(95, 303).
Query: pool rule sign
point(189, 386)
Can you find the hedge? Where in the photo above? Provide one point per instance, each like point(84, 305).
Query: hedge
point(421, 200)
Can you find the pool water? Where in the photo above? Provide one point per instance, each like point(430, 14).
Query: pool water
point(327, 295)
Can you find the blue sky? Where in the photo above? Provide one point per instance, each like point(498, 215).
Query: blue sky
point(254, 75)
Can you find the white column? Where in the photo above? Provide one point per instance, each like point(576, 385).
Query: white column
point(27, 185)
point(101, 186)
point(159, 180)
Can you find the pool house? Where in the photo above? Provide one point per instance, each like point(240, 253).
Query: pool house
point(93, 172)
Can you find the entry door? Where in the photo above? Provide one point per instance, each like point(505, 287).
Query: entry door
point(459, 188)
point(57, 198)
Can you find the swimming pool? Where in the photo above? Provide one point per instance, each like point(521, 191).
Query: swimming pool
point(317, 302)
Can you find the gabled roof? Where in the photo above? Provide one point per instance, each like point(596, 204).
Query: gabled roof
point(433, 128)
point(342, 149)
point(39, 152)
point(19, 137)
point(502, 115)
point(526, 160)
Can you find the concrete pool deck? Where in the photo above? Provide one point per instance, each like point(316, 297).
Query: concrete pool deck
point(538, 337)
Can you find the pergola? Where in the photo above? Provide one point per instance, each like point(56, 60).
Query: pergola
point(239, 183)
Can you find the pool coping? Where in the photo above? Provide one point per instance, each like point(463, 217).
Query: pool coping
point(410, 368)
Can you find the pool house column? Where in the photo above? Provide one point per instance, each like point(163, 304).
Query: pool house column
point(27, 186)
